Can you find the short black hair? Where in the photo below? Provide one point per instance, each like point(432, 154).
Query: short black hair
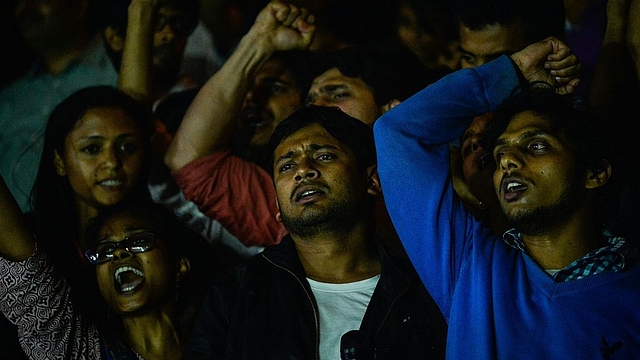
point(572, 114)
point(355, 134)
point(585, 128)
point(541, 18)
point(115, 12)
point(391, 72)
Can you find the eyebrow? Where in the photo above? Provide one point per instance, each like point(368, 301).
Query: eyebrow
point(333, 87)
point(524, 136)
point(102, 137)
point(128, 231)
point(312, 147)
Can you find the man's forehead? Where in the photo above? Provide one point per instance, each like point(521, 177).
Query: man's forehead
point(493, 39)
point(273, 67)
point(334, 76)
point(526, 125)
point(311, 137)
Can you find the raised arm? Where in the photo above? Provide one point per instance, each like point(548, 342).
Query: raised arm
point(16, 240)
point(135, 72)
point(412, 142)
point(209, 122)
point(633, 34)
point(612, 74)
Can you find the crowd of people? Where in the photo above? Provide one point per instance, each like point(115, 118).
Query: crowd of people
point(321, 180)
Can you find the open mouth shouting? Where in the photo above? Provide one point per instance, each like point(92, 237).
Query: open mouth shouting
point(127, 279)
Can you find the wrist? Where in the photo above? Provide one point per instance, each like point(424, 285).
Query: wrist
point(517, 66)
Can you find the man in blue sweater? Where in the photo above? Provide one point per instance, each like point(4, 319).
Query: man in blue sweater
point(556, 286)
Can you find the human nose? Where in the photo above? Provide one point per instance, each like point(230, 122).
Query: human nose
point(306, 171)
point(509, 159)
point(251, 96)
point(319, 101)
point(165, 31)
point(111, 158)
point(121, 251)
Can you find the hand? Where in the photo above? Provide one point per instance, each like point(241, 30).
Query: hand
point(288, 27)
point(550, 61)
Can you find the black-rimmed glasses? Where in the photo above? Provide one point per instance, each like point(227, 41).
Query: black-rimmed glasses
point(135, 243)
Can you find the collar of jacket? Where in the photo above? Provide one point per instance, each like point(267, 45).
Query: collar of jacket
point(394, 280)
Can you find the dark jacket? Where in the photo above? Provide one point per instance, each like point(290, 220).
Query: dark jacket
point(265, 309)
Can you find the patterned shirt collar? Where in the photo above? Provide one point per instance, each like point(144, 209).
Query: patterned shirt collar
point(612, 257)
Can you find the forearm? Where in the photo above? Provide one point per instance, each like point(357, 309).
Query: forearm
point(16, 240)
point(210, 119)
point(633, 35)
point(136, 68)
point(414, 137)
point(614, 63)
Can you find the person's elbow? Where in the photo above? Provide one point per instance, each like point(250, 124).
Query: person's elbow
point(176, 156)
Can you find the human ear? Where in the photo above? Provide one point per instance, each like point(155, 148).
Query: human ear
point(278, 214)
point(597, 177)
point(59, 164)
point(390, 105)
point(374, 187)
point(182, 268)
point(113, 39)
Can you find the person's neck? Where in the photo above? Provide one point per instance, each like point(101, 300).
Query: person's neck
point(339, 258)
point(559, 247)
point(153, 336)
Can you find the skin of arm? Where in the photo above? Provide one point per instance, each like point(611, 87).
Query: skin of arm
point(611, 77)
point(633, 34)
point(16, 240)
point(134, 76)
point(209, 121)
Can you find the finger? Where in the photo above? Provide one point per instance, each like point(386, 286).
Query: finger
point(280, 11)
point(569, 88)
point(569, 62)
point(567, 73)
point(559, 51)
point(301, 21)
point(292, 16)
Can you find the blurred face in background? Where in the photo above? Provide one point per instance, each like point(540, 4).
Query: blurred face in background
point(273, 97)
point(350, 94)
point(478, 47)
point(51, 24)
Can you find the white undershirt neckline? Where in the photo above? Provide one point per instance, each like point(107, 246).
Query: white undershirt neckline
point(341, 308)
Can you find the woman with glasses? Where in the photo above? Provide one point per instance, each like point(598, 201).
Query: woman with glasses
point(138, 268)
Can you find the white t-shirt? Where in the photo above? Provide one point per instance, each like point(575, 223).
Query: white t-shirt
point(341, 308)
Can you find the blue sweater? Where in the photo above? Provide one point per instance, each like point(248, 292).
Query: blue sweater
point(498, 302)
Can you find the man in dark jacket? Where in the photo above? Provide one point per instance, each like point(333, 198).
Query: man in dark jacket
point(330, 275)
